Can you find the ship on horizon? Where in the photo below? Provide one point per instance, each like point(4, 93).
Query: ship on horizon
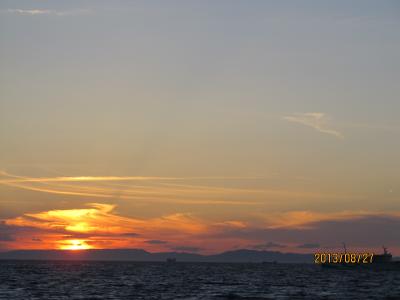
point(382, 261)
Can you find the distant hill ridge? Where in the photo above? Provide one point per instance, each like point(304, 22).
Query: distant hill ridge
point(242, 255)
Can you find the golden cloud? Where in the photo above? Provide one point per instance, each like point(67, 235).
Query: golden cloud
point(98, 225)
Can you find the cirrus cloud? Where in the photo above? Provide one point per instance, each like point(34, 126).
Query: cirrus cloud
point(315, 120)
point(38, 12)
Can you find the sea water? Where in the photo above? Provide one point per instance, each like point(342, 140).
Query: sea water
point(139, 280)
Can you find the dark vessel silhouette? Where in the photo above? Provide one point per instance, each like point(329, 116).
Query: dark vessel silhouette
point(384, 258)
point(382, 261)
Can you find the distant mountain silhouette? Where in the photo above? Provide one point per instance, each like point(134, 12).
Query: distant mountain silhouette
point(245, 255)
point(242, 255)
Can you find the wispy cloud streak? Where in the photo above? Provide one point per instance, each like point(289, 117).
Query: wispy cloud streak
point(37, 12)
point(158, 189)
point(315, 120)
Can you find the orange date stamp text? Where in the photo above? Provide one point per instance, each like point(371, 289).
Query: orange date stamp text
point(343, 258)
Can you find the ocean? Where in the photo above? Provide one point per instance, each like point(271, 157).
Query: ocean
point(139, 280)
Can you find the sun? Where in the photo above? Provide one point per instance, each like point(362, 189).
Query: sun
point(74, 245)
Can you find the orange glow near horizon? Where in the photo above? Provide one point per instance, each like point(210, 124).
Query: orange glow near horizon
point(74, 245)
point(100, 226)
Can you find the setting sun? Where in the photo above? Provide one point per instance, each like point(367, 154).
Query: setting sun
point(74, 245)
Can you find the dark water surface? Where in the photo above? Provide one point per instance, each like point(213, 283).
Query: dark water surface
point(130, 280)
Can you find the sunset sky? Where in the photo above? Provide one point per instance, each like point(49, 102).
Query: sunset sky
point(200, 126)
